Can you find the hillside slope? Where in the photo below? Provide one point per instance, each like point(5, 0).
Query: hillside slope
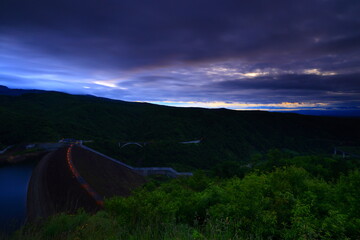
point(225, 134)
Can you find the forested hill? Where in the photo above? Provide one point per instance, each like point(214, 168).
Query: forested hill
point(225, 134)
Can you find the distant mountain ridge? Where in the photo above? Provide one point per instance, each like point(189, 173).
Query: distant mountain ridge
point(335, 113)
point(17, 92)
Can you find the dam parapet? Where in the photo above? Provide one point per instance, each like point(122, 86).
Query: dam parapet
point(144, 171)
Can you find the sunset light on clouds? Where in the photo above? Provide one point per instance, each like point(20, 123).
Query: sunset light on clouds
point(237, 55)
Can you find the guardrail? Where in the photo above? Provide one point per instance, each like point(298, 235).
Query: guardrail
point(144, 171)
point(344, 154)
point(5, 149)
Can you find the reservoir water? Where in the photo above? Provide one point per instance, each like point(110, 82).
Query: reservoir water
point(14, 181)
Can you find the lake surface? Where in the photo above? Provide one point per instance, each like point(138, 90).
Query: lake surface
point(14, 181)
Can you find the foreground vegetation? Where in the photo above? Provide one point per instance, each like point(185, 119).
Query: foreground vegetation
point(297, 199)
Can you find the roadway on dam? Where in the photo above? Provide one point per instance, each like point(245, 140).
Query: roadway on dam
point(73, 177)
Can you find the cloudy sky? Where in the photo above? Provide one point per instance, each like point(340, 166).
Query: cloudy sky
point(283, 55)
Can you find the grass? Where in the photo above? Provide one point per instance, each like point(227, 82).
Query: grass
point(104, 226)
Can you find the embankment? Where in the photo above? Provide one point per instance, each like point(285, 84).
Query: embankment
point(53, 187)
point(106, 177)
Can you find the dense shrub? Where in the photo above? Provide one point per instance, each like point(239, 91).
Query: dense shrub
point(288, 203)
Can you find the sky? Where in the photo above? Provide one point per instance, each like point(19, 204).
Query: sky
point(269, 55)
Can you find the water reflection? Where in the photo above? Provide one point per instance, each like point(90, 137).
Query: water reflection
point(14, 181)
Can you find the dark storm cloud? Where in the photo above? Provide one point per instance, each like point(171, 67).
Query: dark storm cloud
point(349, 83)
point(339, 90)
point(130, 34)
point(154, 79)
point(340, 44)
point(199, 50)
